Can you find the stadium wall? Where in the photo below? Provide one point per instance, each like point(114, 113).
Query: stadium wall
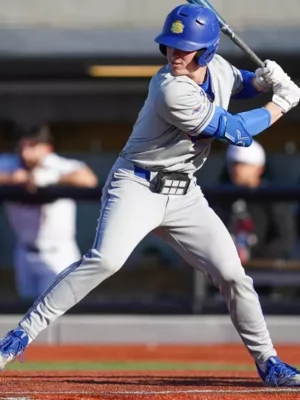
point(152, 330)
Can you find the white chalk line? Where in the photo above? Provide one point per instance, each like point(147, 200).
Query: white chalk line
point(152, 392)
point(15, 398)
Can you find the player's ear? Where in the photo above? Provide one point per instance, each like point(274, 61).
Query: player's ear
point(198, 55)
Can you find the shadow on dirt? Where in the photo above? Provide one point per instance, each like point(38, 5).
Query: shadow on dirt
point(156, 381)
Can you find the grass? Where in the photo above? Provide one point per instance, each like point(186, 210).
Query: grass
point(126, 366)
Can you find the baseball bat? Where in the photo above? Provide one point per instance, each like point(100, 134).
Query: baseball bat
point(228, 31)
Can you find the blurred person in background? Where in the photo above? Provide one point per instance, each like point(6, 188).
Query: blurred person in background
point(259, 229)
point(45, 233)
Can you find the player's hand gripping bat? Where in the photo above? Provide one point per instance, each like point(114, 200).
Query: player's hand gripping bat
point(227, 30)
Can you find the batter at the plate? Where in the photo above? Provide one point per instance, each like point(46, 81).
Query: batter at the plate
point(152, 187)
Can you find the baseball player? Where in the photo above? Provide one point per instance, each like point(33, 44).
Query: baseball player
point(152, 188)
point(45, 233)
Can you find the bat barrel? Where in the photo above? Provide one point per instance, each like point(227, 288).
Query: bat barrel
point(228, 31)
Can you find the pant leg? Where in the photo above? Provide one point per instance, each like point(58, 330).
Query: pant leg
point(202, 239)
point(129, 212)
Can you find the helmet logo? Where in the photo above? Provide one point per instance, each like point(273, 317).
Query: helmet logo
point(177, 27)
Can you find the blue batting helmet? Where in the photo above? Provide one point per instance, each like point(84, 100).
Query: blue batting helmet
point(191, 27)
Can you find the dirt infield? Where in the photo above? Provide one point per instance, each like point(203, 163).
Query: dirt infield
point(149, 385)
point(157, 385)
point(222, 354)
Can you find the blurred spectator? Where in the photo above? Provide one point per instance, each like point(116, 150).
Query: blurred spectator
point(45, 233)
point(260, 230)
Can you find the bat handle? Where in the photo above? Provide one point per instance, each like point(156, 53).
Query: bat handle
point(247, 50)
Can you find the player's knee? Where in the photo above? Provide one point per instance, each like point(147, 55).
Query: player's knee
point(108, 264)
point(234, 276)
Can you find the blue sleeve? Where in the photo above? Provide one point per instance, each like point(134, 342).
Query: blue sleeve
point(248, 91)
point(237, 129)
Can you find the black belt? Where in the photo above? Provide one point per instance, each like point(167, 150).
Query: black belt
point(142, 172)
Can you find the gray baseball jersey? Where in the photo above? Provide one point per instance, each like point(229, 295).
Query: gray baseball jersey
point(177, 108)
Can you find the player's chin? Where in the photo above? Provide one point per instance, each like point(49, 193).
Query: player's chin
point(178, 70)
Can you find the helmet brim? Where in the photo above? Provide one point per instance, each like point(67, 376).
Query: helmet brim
point(177, 43)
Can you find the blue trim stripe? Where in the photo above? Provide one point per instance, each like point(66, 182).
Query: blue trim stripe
point(103, 208)
point(60, 277)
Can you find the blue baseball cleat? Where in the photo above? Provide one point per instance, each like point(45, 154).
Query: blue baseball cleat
point(12, 345)
point(278, 373)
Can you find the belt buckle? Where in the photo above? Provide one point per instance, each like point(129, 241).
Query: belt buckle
point(172, 183)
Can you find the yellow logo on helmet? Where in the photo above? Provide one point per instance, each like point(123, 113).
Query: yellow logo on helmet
point(177, 27)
